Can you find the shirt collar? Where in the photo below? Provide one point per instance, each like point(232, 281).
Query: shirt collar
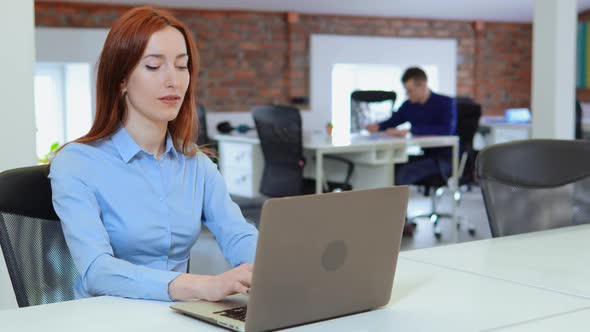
point(170, 149)
point(128, 148)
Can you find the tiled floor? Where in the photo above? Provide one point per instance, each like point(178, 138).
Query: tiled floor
point(206, 257)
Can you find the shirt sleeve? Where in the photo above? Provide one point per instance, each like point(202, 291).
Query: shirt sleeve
point(236, 237)
point(446, 118)
point(396, 119)
point(101, 272)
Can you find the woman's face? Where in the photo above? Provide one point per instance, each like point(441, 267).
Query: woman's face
point(156, 87)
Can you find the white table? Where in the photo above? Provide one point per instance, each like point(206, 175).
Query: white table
point(574, 321)
point(242, 163)
point(501, 131)
point(425, 298)
point(555, 260)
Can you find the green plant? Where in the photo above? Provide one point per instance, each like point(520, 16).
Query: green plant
point(45, 159)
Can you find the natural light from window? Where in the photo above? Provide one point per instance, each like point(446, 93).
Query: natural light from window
point(63, 105)
point(347, 78)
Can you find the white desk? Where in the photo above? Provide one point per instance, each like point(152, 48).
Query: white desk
point(502, 132)
point(556, 259)
point(425, 298)
point(574, 321)
point(242, 162)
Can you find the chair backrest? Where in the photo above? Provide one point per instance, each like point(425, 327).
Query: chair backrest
point(360, 114)
point(279, 131)
point(535, 185)
point(468, 115)
point(38, 260)
point(579, 134)
point(203, 137)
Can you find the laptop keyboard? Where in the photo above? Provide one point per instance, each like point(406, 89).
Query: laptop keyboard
point(235, 313)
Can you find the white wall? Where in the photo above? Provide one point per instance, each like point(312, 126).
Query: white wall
point(17, 113)
point(17, 57)
point(66, 45)
point(328, 50)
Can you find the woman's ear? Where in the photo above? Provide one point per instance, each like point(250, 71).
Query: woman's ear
point(123, 87)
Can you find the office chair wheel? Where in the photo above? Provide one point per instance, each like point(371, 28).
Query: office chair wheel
point(437, 232)
point(437, 235)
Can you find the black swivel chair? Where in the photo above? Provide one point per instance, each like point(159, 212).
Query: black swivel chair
point(468, 115)
point(579, 118)
point(280, 133)
point(359, 115)
point(535, 185)
point(38, 260)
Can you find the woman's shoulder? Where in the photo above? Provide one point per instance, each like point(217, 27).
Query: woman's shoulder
point(74, 157)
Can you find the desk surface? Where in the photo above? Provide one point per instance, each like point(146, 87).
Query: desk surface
point(425, 298)
point(554, 259)
point(326, 142)
point(574, 321)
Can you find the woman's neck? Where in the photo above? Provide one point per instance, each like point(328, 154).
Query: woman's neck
point(149, 135)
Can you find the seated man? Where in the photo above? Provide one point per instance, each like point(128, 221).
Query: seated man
point(429, 114)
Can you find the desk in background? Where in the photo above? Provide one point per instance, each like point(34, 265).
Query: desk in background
point(426, 297)
point(241, 161)
point(495, 130)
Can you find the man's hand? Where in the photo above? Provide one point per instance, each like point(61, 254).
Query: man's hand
point(373, 128)
point(397, 132)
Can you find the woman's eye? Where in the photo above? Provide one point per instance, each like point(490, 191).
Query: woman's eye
point(182, 67)
point(151, 67)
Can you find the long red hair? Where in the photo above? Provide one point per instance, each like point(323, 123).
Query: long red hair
point(121, 53)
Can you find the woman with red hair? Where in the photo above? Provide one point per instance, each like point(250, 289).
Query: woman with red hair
point(133, 193)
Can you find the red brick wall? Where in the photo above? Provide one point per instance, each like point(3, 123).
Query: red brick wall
point(503, 72)
point(251, 58)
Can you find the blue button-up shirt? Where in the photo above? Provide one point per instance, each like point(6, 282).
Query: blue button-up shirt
point(130, 219)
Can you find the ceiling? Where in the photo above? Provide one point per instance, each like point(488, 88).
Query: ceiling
point(488, 10)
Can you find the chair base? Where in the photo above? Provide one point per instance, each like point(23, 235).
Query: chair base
point(434, 215)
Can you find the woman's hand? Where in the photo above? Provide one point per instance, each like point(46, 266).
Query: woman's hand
point(212, 288)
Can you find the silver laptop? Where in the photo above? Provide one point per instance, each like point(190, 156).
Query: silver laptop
point(318, 257)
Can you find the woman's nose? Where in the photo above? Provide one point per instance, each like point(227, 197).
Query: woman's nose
point(171, 79)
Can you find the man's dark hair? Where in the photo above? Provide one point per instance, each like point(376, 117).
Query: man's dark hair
point(414, 73)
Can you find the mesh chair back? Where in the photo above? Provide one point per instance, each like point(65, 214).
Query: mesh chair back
point(279, 131)
point(37, 257)
point(360, 114)
point(535, 185)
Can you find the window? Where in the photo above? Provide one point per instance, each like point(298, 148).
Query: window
point(63, 109)
point(346, 78)
point(364, 62)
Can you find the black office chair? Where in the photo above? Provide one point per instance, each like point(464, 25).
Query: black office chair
point(280, 133)
point(535, 185)
point(468, 115)
point(360, 100)
point(38, 260)
point(579, 118)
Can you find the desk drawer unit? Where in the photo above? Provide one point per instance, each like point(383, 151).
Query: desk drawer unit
point(241, 166)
